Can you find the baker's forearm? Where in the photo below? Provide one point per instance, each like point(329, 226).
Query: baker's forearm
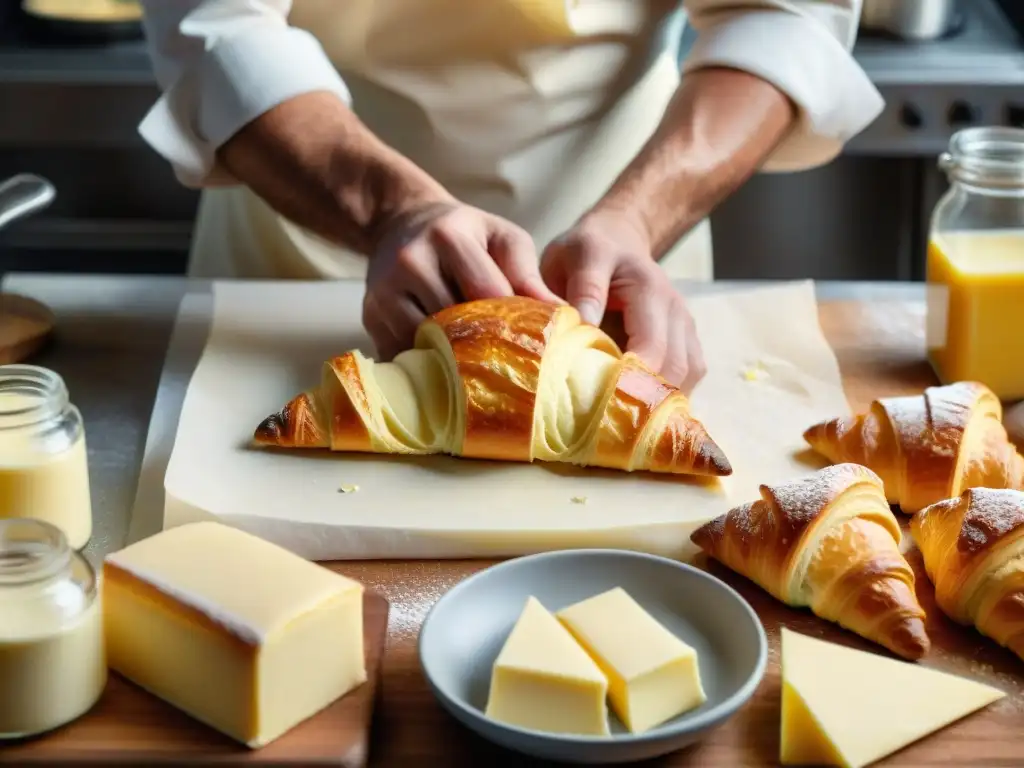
point(312, 160)
point(718, 130)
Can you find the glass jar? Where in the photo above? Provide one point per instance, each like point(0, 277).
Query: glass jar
point(975, 273)
point(53, 664)
point(44, 472)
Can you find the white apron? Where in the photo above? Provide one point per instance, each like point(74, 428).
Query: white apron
point(518, 107)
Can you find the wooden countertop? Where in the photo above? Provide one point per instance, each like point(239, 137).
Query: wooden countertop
point(880, 346)
point(877, 333)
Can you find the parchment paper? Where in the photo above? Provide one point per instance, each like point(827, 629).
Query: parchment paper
point(770, 375)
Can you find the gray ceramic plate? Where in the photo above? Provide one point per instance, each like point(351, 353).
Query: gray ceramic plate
point(464, 632)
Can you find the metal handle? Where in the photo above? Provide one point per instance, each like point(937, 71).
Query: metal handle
point(24, 194)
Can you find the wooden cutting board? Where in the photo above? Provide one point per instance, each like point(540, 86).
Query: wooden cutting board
point(130, 727)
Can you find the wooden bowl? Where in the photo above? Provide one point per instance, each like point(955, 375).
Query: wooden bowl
point(26, 325)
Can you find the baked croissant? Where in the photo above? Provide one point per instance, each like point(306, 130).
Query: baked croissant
point(828, 542)
point(973, 550)
point(927, 447)
point(511, 379)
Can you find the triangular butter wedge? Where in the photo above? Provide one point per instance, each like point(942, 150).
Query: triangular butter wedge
point(545, 681)
point(849, 708)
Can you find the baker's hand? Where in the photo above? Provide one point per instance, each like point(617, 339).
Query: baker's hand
point(604, 262)
point(438, 255)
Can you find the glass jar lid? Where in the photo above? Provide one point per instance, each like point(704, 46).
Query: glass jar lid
point(44, 585)
point(29, 395)
point(990, 158)
point(31, 551)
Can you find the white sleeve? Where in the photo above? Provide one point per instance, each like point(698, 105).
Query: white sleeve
point(803, 48)
point(220, 65)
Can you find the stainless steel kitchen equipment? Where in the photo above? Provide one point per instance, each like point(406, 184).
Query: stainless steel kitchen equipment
point(866, 215)
point(911, 19)
point(121, 209)
point(22, 195)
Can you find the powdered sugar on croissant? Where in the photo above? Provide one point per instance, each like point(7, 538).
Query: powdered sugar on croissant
point(927, 447)
point(513, 379)
point(973, 549)
point(828, 542)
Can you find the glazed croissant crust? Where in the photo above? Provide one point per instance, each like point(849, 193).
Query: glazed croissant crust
point(828, 542)
point(973, 550)
point(927, 447)
point(512, 379)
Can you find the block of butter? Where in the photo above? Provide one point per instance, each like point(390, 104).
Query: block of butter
point(543, 680)
point(653, 676)
point(849, 708)
point(243, 635)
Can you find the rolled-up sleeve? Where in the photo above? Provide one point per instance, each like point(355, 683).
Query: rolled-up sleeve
point(220, 64)
point(802, 47)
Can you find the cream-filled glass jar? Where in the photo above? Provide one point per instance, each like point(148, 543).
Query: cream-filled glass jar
point(53, 665)
point(44, 471)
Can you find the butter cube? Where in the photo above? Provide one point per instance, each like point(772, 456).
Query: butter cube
point(243, 635)
point(653, 676)
point(543, 680)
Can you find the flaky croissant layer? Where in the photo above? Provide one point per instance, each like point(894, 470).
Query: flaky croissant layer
point(973, 550)
point(511, 379)
point(828, 542)
point(927, 447)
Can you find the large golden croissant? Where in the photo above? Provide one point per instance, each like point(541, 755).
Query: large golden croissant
point(973, 550)
point(513, 379)
point(828, 542)
point(927, 447)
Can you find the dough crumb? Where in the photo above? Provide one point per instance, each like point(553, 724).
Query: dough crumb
point(348, 489)
point(579, 499)
point(756, 372)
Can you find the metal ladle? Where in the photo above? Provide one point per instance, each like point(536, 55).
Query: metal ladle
point(25, 324)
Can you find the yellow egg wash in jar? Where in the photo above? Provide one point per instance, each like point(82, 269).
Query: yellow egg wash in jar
point(53, 665)
point(975, 269)
point(44, 472)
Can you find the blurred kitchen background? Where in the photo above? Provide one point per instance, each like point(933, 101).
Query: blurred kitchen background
point(72, 94)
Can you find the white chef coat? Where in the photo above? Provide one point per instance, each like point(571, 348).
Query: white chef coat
point(528, 109)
